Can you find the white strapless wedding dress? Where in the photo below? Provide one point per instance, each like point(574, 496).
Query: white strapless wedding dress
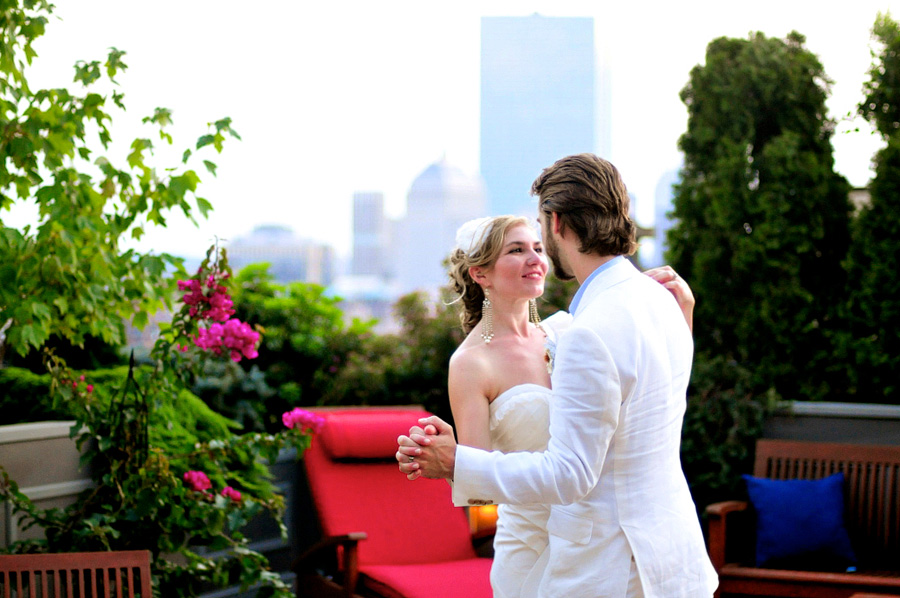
point(520, 421)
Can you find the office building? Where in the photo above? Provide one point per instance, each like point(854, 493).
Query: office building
point(439, 201)
point(370, 235)
point(537, 102)
point(290, 258)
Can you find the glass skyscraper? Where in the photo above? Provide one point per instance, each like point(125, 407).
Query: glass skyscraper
point(537, 101)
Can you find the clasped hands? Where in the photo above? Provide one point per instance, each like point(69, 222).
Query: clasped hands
point(428, 451)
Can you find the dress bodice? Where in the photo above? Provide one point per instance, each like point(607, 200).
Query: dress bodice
point(520, 419)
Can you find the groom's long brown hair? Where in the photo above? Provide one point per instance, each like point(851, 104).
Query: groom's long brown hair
point(590, 197)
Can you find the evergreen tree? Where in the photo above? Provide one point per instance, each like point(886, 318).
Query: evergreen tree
point(762, 217)
point(872, 346)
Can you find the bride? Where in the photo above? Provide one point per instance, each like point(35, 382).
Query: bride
point(499, 376)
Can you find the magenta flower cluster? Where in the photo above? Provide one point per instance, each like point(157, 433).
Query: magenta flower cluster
point(199, 482)
point(216, 306)
point(229, 492)
point(300, 418)
point(89, 387)
point(236, 338)
point(212, 302)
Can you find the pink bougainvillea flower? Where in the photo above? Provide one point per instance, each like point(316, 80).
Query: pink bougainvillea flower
point(217, 306)
point(229, 492)
point(237, 339)
point(301, 418)
point(197, 481)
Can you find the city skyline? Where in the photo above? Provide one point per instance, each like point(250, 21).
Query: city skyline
point(345, 97)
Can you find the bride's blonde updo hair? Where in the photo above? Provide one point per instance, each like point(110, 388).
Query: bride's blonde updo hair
point(479, 243)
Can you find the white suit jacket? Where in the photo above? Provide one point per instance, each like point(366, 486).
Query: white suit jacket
point(612, 470)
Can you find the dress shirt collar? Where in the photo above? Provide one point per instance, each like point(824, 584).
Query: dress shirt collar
point(577, 298)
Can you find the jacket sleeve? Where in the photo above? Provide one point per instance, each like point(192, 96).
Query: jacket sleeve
point(584, 414)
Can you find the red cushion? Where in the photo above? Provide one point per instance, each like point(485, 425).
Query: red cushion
point(366, 433)
point(406, 522)
point(470, 578)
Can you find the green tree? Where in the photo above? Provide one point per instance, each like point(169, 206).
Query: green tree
point(762, 217)
point(725, 415)
point(881, 105)
point(872, 345)
point(70, 276)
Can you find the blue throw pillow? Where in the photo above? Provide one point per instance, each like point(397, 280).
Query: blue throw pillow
point(800, 523)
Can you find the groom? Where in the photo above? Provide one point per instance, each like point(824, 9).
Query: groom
point(623, 523)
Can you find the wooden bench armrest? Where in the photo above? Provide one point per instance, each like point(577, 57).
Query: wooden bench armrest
point(718, 518)
point(349, 562)
point(722, 509)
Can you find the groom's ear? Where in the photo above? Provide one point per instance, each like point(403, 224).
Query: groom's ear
point(556, 224)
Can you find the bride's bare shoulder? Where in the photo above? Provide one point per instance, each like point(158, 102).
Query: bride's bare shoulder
point(470, 374)
point(470, 356)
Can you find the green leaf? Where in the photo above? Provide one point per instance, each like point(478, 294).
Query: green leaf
point(87, 72)
point(204, 206)
point(61, 304)
point(140, 320)
point(136, 157)
point(40, 310)
point(210, 166)
point(114, 63)
point(205, 140)
point(30, 336)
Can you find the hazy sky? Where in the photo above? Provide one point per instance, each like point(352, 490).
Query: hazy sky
point(335, 97)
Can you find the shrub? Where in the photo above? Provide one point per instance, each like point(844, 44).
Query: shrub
point(725, 415)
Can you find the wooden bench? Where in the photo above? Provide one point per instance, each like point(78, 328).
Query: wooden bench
point(117, 574)
point(872, 503)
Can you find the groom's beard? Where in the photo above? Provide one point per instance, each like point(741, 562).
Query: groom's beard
point(552, 249)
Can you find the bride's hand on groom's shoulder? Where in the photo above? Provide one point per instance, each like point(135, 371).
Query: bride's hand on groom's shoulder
point(680, 289)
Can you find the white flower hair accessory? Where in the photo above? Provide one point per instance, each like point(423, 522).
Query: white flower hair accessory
point(471, 234)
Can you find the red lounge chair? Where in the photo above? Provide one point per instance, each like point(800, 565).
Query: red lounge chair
point(390, 537)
